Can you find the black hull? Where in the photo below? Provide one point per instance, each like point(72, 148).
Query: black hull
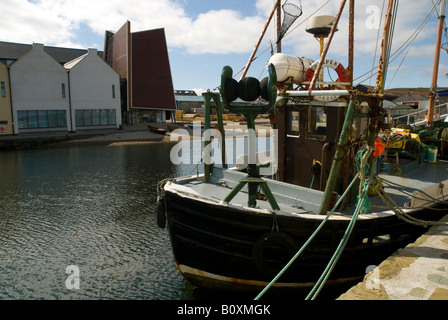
point(224, 247)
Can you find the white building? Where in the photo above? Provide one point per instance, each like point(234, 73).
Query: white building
point(39, 92)
point(94, 93)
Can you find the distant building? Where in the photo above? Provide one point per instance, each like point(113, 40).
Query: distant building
point(11, 52)
point(5, 102)
point(39, 92)
point(141, 59)
point(56, 89)
point(94, 89)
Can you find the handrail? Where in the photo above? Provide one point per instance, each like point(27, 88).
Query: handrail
point(423, 112)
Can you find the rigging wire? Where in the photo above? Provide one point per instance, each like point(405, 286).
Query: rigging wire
point(376, 46)
point(403, 47)
point(287, 34)
point(391, 36)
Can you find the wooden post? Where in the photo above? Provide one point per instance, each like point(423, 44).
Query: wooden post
point(435, 71)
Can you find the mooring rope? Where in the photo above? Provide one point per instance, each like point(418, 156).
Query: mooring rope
point(359, 210)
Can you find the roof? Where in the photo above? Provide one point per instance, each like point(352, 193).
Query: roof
point(182, 98)
point(74, 62)
point(14, 51)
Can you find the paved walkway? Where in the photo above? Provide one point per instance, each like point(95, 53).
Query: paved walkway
point(134, 133)
point(417, 272)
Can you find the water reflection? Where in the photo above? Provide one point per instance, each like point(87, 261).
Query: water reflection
point(92, 207)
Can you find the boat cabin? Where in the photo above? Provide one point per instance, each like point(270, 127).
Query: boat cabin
point(308, 137)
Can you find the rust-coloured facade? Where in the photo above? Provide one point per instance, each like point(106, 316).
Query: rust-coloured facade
point(151, 74)
point(141, 60)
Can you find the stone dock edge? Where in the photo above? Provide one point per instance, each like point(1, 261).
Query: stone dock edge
point(417, 272)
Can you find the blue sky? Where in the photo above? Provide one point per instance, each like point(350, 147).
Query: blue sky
point(205, 35)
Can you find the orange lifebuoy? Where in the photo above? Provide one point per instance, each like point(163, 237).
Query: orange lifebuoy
point(328, 63)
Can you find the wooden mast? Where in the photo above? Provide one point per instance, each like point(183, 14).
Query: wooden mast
point(277, 5)
point(279, 26)
point(382, 61)
point(435, 71)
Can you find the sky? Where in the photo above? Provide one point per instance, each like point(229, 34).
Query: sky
point(203, 36)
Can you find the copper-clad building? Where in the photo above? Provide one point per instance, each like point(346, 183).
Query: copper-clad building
point(141, 59)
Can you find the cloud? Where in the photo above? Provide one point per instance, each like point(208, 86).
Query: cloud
point(56, 22)
point(24, 21)
point(213, 28)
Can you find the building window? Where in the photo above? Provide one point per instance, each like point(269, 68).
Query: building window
point(32, 119)
point(113, 91)
point(3, 87)
point(95, 117)
point(63, 90)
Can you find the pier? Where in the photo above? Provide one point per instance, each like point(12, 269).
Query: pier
point(417, 272)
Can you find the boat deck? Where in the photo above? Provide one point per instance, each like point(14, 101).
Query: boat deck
point(298, 200)
point(428, 177)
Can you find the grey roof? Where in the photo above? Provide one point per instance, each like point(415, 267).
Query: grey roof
point(14, 51)
point(182, 98)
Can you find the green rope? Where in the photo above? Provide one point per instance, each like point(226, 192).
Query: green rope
point(337, 254)
point(312, 181)
point(294, 258)
point(329, 268)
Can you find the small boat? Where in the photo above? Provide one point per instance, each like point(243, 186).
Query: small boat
point(349, 190)
point(174, 126)
point(156, 129)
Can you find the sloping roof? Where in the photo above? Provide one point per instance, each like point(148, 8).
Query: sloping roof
point(14, 51)
point(182, 98)
point(74, 62)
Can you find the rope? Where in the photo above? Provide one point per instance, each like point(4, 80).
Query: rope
point(388, 201)
point(161, 185)
point(319, 285)
point(335, 258)
point(396, 185)
point(308, 241)
point(406, 217)
point(364, 154)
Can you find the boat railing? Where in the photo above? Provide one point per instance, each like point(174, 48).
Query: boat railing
point(419, 117)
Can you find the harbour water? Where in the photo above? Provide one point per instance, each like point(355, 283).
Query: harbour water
point(92, 208)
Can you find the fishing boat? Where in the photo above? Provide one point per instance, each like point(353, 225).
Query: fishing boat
point(348, 192)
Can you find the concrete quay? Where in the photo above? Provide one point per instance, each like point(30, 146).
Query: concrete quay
point(417, 272)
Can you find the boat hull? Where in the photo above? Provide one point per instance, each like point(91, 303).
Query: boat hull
point(231, 247)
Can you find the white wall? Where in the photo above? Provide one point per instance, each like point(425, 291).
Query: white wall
point(36, 81)
point(91, 81)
